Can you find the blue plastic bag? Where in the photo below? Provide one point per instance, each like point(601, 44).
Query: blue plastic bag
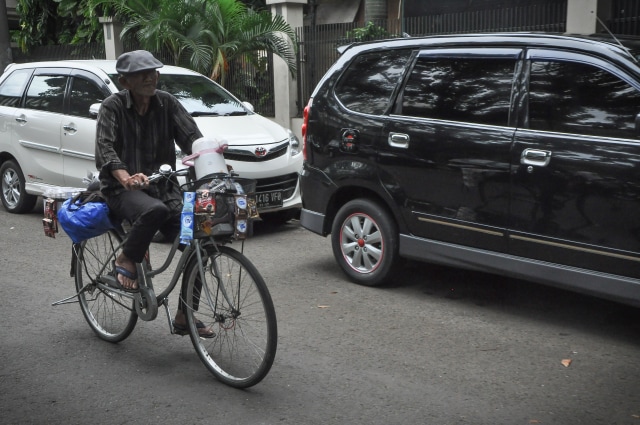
point(84, 219)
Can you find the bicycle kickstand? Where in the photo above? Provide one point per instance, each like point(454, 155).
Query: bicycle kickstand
point(165, 303)
point(68, 299)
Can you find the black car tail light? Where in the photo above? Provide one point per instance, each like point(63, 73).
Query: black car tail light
point(305, 122)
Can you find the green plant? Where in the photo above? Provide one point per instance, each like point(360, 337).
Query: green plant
point(367, 33)
point(37, 23)
point(44, 22)
point(81, 22)
point(207, 32)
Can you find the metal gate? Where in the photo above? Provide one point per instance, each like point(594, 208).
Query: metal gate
point(317, 45)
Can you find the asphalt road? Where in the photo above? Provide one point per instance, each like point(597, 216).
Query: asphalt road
point(439, 346)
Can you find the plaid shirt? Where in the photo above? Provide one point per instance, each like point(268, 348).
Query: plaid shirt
point(140, 144)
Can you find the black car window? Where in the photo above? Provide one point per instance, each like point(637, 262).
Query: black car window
point(369, 82)
point(476, 90)
point(84, 93)
point(12, 88)
point(46, 93)
point(582, 99)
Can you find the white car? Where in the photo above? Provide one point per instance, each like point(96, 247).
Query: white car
point(47, 131)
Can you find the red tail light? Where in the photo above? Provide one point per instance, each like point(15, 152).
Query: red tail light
point(305, 122)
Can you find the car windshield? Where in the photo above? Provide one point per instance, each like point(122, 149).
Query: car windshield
point(198, 94)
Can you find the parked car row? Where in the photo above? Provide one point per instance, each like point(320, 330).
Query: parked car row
point(47, 131)
point(515, 154)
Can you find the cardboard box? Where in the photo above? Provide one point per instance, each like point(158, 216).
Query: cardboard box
point(50, 220)
point(205, 202)
point(50, 229)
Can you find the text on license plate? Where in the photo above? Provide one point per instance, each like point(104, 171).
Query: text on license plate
point(269, 199)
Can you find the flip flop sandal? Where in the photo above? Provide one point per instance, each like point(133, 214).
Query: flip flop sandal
point(126, 273)
point(184, 330)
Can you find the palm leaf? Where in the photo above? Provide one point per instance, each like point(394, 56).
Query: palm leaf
point(207, 32)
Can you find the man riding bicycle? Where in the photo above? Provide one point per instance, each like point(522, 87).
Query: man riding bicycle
point(135, 134)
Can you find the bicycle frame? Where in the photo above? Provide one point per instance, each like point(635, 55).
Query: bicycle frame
point(195, 245)
point(147, 301)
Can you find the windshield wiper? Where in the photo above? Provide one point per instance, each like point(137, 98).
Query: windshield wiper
point(217, 114)
point(204, 114)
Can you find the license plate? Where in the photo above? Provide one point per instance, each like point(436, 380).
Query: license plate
point(269, 199)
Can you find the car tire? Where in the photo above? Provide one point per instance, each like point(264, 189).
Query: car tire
point(364, 239)
point(15, 198)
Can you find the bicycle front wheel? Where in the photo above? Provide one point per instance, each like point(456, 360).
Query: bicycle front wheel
point(111, 316)
point(234, 300)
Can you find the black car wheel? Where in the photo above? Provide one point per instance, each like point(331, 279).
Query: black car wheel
point(365, 242)
point(14, 196)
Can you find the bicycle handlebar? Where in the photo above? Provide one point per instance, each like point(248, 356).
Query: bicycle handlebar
point(167, 172)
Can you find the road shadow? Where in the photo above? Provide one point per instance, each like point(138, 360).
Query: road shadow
point(519, 298)
point(268, 227)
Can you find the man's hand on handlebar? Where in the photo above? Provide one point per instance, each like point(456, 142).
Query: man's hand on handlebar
point(131, 182)
point(136, 182)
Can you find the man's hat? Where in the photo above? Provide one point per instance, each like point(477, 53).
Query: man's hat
point(136, 61)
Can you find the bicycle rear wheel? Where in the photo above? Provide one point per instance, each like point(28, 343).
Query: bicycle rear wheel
point(111, 316)
point(235, 302)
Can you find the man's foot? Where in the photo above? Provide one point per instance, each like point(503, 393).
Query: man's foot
point(126, 274)
point(180, 327)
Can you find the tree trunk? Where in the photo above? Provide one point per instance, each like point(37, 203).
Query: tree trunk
point(5, 42)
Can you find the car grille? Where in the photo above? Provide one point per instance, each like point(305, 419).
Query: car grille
point(249, 156)
point(286, 183)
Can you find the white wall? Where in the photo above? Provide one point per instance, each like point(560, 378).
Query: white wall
point(582, 16)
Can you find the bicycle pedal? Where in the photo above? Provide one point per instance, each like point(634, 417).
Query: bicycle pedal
point(180, 332)
point(108, 280)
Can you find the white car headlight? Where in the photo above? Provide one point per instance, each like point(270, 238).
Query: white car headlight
point(294, 143)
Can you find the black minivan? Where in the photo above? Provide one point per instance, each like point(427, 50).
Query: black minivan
point(515, 154)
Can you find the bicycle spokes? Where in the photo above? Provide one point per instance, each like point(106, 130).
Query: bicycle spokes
point(110, 314)
point(233, 298)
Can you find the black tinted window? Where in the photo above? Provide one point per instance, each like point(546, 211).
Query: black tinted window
point(46, 93)
point(12, 88)
point(582, 99)
point(474, 90)
point(84, 93)
point(369, 82)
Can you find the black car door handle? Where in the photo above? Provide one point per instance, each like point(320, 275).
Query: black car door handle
point(537, 157)
point(399, 140)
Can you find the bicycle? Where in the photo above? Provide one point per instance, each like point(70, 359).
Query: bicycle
point(223, 290)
